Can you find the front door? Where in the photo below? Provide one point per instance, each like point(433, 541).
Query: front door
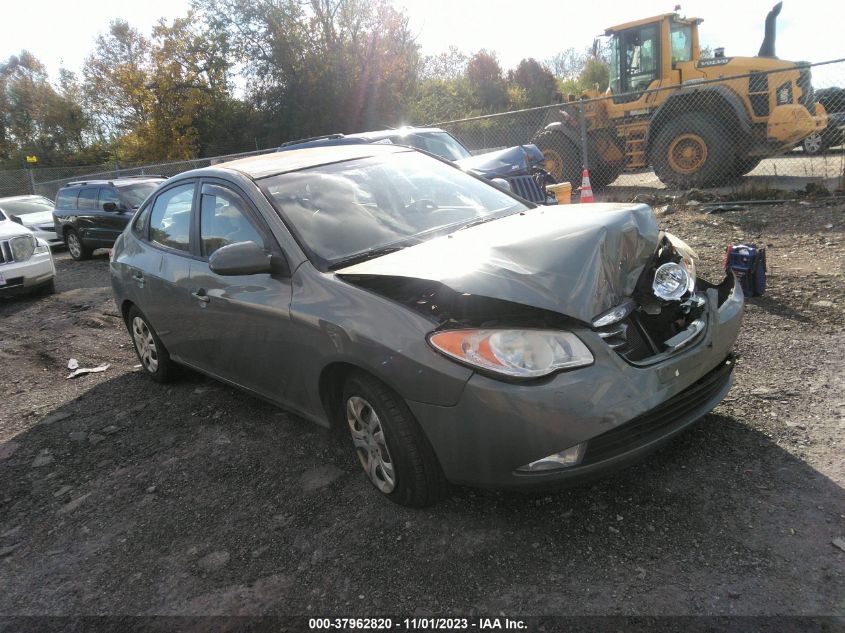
point(112, 222)
point(241, 323)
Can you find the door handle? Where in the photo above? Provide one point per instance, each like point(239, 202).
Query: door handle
point(201, 296)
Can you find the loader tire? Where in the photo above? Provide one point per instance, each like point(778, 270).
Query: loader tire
point(693, 150)
point(563, 158)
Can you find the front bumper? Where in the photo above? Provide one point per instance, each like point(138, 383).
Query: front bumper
point(497, 427)
point(27, 275)
point(48, 236)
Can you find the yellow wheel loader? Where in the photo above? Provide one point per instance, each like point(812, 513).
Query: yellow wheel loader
point(697, 122)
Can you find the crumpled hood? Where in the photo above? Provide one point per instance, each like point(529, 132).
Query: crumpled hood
point(578, 260)
point(503, 163)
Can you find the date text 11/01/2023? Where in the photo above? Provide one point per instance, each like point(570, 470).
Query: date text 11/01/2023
point(418, 624)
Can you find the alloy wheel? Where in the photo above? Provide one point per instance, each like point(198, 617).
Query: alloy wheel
point(813, 143)
point(145, 344)
point(370, 444)
point(74, 245)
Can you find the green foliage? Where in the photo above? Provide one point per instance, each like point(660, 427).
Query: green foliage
point(536, 82)
point(304, 67)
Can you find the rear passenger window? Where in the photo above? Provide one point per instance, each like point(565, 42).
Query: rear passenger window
point(67, 199)
point(224, 220)
point(170, 219)
point(87, 198)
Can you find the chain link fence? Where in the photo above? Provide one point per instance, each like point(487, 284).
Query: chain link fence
point(762, 129)
point(46, 181)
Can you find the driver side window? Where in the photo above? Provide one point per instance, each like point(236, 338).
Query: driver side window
point(224, 220)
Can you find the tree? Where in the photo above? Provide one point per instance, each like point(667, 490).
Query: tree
point(450, 65)
point(596, 73)
point(536, 81)
point(320, 66)
point(567, 65)
point(486, 82)
point(115, 81)
point(35, 118)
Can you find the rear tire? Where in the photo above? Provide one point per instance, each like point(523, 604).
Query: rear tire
point(743, 165)
point(390, 445)
point(155, 361)
point(74, 244)
point(692, 150)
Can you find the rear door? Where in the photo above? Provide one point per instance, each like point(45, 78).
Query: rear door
point(88, 216)
point(160, 268)
point(241, 324)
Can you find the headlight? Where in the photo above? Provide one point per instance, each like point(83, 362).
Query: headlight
point(22, 247)
point(517, 353)
point(671, 282)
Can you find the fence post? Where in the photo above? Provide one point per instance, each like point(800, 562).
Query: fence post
point(584, 151)
point(31, 181)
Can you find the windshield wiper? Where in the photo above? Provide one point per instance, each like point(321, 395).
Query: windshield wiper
point(365, 256)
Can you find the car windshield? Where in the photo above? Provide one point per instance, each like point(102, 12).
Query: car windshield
point(24, 207)
point(137, 192)
point(439, 143)
point(357, 209)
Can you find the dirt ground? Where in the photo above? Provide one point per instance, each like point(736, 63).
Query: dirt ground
point(121, 496)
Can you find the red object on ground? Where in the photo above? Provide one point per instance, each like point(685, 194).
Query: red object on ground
point(586, 189)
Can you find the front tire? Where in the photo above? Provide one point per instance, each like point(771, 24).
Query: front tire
point(563, 159)
point(692, 150)
point(74, 244)
point(155, 361)
point(391, 447)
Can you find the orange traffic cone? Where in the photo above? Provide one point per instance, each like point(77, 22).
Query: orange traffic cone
point(586, 189)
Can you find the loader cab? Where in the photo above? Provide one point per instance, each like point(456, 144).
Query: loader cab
point(643, 54)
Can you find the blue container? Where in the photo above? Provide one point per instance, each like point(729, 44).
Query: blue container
point(748, 264)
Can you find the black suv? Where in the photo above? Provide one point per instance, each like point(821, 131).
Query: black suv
point(91, 214)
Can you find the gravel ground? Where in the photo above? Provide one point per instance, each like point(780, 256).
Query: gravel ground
point(121, 496)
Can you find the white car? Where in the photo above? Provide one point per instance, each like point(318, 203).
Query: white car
point(33, 212)
point(26, 263)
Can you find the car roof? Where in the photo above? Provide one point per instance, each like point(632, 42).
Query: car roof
point(359, 137)
point(296, 159)
point(112, 181)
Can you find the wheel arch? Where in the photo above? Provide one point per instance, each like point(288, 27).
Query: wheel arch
point(125, 306)
point(716, 100)
point(330, 387)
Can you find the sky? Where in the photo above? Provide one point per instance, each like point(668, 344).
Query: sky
point(62, 33)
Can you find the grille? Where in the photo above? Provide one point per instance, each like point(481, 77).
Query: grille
point(659, 421)
point(629, 339)
point(6, 252)
point(526, 187)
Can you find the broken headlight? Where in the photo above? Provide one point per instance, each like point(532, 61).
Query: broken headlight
point(515, 353)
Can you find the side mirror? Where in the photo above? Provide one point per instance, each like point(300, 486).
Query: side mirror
point(110, 207)
point(241, 258)
point(15, 218)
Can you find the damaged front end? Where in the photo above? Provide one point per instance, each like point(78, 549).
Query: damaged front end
point(611, 271)
point(667, 311)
